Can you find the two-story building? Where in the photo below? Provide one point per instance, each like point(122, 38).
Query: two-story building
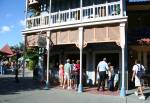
point(88, 30)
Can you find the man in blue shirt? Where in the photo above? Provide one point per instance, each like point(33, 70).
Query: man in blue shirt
point(67, 72)
point(102, 67)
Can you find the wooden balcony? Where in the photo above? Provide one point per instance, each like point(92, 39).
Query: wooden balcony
point(100, 12)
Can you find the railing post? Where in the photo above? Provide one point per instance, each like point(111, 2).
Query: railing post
point(58, 16)
point(121, 7)
point(106, 9)
point(50, 6)
point(69, 15)
point(41, 20)
point(81, 10)
point(93, 11)
point(32, 20)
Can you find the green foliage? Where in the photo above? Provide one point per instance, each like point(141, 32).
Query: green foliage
point(18, 47)
point(31, 65)
point(32, 54)
point(118, 10)
point(14, 58)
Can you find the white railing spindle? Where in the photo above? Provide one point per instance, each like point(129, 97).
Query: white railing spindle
point(93, 12)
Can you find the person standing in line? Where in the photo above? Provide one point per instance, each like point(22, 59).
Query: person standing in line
point(111, 77)
point(116, 78)
point(102, 67)
point(77, 74)
point(138, 81)
point(67, 71)
point(61, 74)
point(73, 68)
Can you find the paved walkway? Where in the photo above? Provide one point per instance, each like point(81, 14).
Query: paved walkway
point(29, 91)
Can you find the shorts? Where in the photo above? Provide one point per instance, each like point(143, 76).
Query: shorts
point(72, 76)
point(138, 82)
point(66, 76)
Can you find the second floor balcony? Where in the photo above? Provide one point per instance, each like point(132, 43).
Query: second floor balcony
point(99, 12)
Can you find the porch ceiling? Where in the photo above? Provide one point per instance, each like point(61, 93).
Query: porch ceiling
point(138, 5)
point(138, 36)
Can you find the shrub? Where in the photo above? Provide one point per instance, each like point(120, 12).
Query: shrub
point(31, 65)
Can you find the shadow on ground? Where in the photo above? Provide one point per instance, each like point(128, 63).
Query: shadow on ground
point(147, 94)
point(9, 86)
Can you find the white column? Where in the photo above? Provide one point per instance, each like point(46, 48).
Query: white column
point(80, 88)
point(48, 53)
point(122, 44)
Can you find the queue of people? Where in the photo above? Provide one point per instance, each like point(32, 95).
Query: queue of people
point(69, 74)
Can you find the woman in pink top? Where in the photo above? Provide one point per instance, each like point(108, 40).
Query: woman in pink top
point(61, 74)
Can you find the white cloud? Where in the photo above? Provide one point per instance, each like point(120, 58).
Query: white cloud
point(22, 23)
point(5, 29)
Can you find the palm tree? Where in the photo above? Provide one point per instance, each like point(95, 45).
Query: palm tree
point(18, 47)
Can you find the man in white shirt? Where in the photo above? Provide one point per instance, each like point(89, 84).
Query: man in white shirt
point(138, 81)
point(102, 67)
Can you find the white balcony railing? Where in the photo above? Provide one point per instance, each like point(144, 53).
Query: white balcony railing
point(94, 12)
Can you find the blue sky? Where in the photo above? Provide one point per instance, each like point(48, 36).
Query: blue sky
point(11, 21)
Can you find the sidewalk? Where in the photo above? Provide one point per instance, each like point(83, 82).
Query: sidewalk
point(29, 91)
point(63, 96)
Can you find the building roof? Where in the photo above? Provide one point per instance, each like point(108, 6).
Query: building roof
point(6, 49)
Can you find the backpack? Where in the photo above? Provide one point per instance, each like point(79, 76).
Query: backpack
point(140, 73)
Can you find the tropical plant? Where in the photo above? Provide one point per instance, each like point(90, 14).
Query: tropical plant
point(31, 64)
point(32, 54)
point(18, 47)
